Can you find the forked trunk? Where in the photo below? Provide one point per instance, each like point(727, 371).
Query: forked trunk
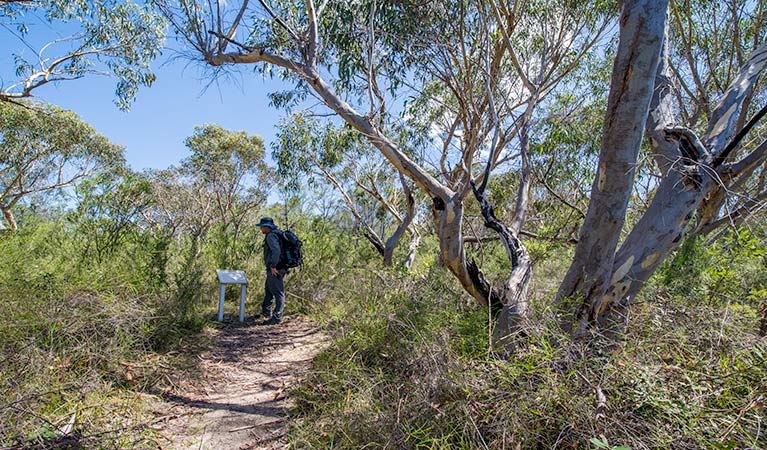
point(693, 177)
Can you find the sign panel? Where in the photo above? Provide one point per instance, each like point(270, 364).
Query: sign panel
point(231, 277)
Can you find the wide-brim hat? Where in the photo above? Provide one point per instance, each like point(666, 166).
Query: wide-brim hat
point(266, 222)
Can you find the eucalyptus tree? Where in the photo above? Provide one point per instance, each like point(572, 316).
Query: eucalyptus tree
point(228, 168)
point(710, 42)
point(110, 37)
point(43, 149)
point(603, 277)
point(350, 55)
point(179, 208)
point(379, 200)
point(476, 62)
point(496, 81)
point(109, 206)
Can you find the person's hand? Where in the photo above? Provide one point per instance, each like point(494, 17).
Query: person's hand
point(275, 272)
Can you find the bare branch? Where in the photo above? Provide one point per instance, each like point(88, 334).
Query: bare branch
point(738, 137)
point(747, 164)
point(235, 23)
point(281, 22)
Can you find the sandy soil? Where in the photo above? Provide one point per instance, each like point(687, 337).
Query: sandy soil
point(240, 399)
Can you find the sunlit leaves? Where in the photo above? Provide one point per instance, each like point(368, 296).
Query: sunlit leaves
point(43, 148)
point(304, 143)
point(223, 159)
point(115, 37)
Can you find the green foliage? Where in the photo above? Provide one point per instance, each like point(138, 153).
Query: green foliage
point(223, 156)
point(68, 331)
point(410, 367)
point(732, 270)
point(228, 175)
point(305, 147)
point(115, 37)
point(44, 149)
point(126, 274)
point(109, 207)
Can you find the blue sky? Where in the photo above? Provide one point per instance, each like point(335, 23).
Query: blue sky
point(162, 116)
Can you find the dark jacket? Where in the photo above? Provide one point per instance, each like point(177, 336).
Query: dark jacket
point(272, 249)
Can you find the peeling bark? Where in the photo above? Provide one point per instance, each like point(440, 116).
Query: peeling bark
point(728, 115)
point(642, 32)
point(658, 233)
point(513, 299)
point(662, 227)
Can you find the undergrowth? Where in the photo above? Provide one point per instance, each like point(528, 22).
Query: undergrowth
point(411, 368)
point(82, 340)
point(85, 340)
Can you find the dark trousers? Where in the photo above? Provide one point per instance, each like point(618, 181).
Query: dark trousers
point(274, 292)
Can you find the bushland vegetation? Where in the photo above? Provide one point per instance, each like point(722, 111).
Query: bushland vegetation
point(585, 260)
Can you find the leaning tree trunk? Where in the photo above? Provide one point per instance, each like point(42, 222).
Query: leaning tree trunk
point(641, 38)
point(393, 241)
point(512, 300)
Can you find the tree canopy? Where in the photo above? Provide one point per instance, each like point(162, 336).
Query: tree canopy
point(44, 148)
point(116, 38)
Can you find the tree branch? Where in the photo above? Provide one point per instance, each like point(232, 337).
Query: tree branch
point(280, 21)
point(721, 157)
point(723, 117)
point(312, 35)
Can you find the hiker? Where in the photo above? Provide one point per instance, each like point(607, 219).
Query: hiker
point(274, 289)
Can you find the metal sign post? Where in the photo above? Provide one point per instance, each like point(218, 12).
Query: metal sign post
point(232, 277)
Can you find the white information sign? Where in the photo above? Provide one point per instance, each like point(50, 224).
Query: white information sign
point(232, 277)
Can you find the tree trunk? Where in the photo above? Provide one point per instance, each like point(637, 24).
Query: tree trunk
point(658, 233)
point(449, 220)
point(412, 251)
point(513, 299)
point(394, 239)
point(722, 126)
point(641, 37)
point(661, 228)
point(8, 214)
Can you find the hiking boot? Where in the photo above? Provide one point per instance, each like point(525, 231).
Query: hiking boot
point(264, 315)
point(272, 321)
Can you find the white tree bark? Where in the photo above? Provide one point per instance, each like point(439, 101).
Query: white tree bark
point(8, 214)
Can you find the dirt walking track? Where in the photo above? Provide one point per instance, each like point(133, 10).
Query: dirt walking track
point(240, 399)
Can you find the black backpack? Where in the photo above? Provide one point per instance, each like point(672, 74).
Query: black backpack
point(291, 255)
